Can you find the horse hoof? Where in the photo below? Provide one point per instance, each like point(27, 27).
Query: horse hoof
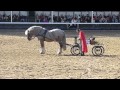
point(42, 53)
point(58, 53)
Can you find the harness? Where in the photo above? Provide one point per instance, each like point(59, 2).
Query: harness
point(43, 35)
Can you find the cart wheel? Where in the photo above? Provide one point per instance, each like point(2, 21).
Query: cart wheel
point(103, 50)
point(97, 50)
point(75, 50)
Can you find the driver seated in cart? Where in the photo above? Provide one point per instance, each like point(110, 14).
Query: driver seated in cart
point(91, 41)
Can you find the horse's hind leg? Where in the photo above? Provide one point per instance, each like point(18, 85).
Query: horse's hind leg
point(60, 49)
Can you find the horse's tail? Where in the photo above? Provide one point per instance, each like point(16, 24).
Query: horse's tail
point(64, 42)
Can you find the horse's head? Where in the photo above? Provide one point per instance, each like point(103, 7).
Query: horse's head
point(34, 31)
point(29, 36)
point(31, 32)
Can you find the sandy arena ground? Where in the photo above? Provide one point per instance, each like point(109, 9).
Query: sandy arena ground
point(20, 58)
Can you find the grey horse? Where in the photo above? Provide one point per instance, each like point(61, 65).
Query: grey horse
point(43, 34)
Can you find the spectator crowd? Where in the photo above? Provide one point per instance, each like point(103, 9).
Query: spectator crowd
point(18, 18)
point(106, 18)
point(43, 18)
point(15, 18)
point(80, 18)
point(72, 19)
point(5, 18)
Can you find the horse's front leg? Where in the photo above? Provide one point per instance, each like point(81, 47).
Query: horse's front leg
point(60, 49)
point(42, 48)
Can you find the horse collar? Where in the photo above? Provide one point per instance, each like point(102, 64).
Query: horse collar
point(43, 35)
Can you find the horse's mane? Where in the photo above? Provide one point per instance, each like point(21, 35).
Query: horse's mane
point(36, 26)
point(40, 27)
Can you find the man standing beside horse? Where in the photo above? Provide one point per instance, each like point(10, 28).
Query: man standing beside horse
point(82, 39)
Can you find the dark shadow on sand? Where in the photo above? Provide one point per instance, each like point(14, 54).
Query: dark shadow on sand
point(105, 56)
point(92, 55)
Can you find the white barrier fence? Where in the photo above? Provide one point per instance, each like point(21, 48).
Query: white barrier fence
point(50, 23)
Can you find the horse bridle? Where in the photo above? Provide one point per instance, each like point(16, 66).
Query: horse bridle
point(29, 37)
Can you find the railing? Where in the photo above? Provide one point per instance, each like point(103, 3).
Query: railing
point(50, 23)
